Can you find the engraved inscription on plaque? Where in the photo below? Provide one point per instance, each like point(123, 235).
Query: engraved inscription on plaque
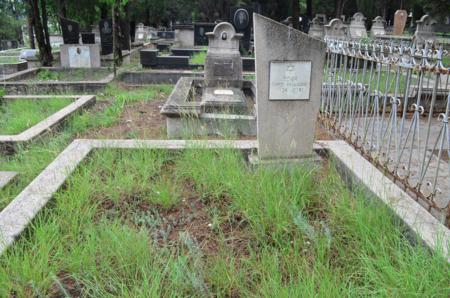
point(290, 80)
point(79, 56)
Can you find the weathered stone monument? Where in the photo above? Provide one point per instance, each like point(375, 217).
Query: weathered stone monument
point(357, 27)
point(425, 32)
point(106, 36)
point(335, 29)
point(140, 34)
point(70, 31)
point(316, 29)
point(400, 18)
point(289, 70)
point(184, 35)
point(222, 102)
point(72, 53)
point(377, 28)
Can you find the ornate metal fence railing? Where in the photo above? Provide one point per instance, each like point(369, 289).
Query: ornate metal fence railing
point(392, 103)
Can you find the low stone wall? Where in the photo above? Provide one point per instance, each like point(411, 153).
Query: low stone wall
point(10, 68)
point(156, 76)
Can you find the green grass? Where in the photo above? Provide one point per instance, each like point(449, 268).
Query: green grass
point(261, 232)
point(198, 58)
point(71, 75)
point(19, 114)
point(29, 161)
point(9, 60)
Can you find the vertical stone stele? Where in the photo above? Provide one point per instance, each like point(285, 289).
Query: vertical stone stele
point(289, 69)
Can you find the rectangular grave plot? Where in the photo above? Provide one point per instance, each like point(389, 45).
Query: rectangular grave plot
point(34, 115)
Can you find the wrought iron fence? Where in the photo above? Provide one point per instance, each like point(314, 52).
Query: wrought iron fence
point(392, 103)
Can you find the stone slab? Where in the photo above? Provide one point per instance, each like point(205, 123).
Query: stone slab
point(6, 177)
point(286, 127)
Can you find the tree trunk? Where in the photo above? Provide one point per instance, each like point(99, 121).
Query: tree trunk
point(41, 31)
point(338, 8)
point(30, 24)
point(309, 12)
point(295, 14)
point(62, 8)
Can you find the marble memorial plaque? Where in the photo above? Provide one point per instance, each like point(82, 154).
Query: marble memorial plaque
point(290, 80)
point(79, 56)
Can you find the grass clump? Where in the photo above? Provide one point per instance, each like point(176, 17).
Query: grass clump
point(20, 114)
point(71, 75)
point(198, 58)
point(237, 231)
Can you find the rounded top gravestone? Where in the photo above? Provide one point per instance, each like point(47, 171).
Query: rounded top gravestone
point(224, 37)
point(377, 28)
point(335, 29)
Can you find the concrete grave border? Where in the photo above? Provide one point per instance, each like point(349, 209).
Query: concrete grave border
point(6, 178)
point(9, 142)
point(13, 85)
point(15, 217)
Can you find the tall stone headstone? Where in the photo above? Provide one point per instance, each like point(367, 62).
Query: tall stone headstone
point(124, 35)
point(184, 35)
point(357, 27)
point(400, 18)
point(140, 34)
point(70, 31)
point(316, 29)
point(223, 68)
point(106, 36)
point(335, 29)
point(377, 28)
point(425, 31)
point(289, 70)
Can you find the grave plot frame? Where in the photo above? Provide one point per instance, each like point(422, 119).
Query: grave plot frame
point(8, 143)
point(13, 84)
point(354, 169)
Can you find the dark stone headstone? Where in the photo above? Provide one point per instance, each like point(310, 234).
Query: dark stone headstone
point(173, 62)
point(166, 34)
point(242, 20)
point(163, 47)
point(70, 31)
point(124, 37)
point(9, 44)
point(106, 36)
point(149, 57)
point(200, 30)
point(88, 38)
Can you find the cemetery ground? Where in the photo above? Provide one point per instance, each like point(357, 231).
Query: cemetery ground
point(154, 222)
point(200, 222)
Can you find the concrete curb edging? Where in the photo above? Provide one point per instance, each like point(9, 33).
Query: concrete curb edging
point(432, 232)
point(10, 141)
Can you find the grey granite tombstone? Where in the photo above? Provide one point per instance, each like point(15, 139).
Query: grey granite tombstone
point(377, 28)
point(70, 31)
point(289, 70)
point(335, 29)
point(316, 29)
point(425, 31)
point(184, 35)
point(223, 67)
point(357, 26)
